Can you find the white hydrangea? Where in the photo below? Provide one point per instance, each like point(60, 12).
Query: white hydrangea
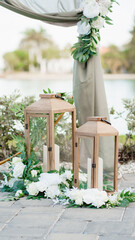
point(52, 191)
point(34, 173)
point(75, 195)
point(19, 194)
point(18, 169)
point(90, 8)
point(99, 23)
point(32, 189)
point(83, 28)
point(41, 186)
point(95, 197)
point(67, 175)
point(16, 160)
point(50, 179)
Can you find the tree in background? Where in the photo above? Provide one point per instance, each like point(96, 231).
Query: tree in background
point(130, 51)
point(114, 61)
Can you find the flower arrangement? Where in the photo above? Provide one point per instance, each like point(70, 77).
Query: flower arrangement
point(26, 178)
point(94, 16)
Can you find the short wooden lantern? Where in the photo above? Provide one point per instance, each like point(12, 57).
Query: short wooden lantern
point(47, 106)
point(94, 128)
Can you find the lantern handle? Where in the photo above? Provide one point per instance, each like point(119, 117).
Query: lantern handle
point(57, 96)
point(103, 120)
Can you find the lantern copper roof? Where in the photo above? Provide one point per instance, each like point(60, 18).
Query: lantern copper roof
point(48, 103)
point(96, 126)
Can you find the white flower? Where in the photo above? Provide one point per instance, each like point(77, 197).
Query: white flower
point(19, 194)
point(32, 189)
point(50, 179)
point(41, 186)
point(18, 169)
point(75, 195)
point(67, 175)
point(11, 182)
point(103, 10)
point(105, 3)
point(83, 28)
point(82, 177)
point(16, 160)
point(95, 197)
point(114, 199)
point(99, 23)
point(52, 191)
point(34, 173)
point(91, 9)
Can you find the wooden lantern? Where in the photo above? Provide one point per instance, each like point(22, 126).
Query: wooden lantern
point(94, 128)
point(47, 106)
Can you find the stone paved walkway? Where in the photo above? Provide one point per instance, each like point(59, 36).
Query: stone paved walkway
point(40, 220)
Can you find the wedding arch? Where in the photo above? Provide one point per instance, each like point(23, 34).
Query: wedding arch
point(88, 84)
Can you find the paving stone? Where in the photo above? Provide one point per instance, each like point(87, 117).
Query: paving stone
point(29, 220)
point(69, 226)
point(20, 238)
point(6, 203)
point(34, 203)
point(23, 232)
point(61, 236)
point(116, 237)
point(131, 205)
point(6, 214)
point(125, 228)
point(114, 214)
point(41, 210)
point(129, 215)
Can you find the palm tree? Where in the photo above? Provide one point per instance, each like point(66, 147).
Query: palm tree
point(35, 42)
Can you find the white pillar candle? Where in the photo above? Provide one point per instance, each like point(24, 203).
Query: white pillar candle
point(57, 158)
point(89, 173)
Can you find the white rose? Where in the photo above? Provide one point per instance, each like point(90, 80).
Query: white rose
point(83, 28)
point(50, 179)
point(67, 175)
point(75, 195)
point(16, 160)
point(91, 9)
point(103, 10)
point(32, 189)
point(41, 186)
point(19, 194)
point(99, 23)
point(52, 191)
point(79, 201)
point(34, 173)
point(18, 169)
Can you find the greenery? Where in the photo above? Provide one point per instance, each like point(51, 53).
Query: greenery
point(127, 152)
point(12, 127)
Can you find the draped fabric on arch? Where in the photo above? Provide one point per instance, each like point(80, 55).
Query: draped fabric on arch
point(88, 84)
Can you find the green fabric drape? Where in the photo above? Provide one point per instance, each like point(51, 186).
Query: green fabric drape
point(88, 85)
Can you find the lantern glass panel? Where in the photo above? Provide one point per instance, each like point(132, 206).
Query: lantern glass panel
point(38, 135)
point(63, 136)
point(86, 164)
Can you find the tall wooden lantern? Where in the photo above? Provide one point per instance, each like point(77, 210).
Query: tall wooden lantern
point(95, 128)
point(47, 106)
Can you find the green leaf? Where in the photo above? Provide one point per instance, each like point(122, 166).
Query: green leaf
point(124, 203)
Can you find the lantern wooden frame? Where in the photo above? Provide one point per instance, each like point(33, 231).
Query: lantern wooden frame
point(94, 128)
point(47, 106)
